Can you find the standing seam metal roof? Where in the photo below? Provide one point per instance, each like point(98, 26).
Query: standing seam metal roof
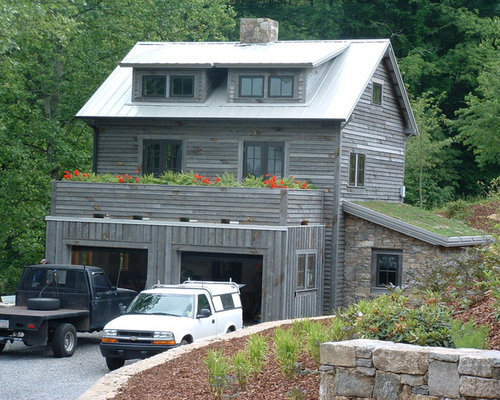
point(351, 66)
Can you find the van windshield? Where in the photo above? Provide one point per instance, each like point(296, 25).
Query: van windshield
point(179, 305)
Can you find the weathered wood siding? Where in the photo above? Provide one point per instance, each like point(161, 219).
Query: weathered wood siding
point(213, 147)
point(166, 240)
point(378, 132)
point(206, 204)
point(309, 302)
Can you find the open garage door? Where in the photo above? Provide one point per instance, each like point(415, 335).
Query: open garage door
point(126, 268)
point(240, 268)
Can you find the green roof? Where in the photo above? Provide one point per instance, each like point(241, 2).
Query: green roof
point(422, 218)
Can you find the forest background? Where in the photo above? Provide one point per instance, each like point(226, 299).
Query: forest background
point(55, 53)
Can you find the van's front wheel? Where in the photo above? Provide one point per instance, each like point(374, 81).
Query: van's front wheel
point(64, 340)
point(114, 363)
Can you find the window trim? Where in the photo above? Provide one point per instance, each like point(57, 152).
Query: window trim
point(355, 182)
point(172, 77)
point(375, 277)
point(376, 100)
point(306, 254)
point(165, 141)
point(264, 156)
point(241, 77)
point(291, 96)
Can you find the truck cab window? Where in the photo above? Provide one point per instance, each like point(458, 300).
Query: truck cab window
point(101, 282)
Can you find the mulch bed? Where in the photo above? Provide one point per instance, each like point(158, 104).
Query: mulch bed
point(186, 378)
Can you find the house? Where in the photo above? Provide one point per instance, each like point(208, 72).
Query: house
point(330, 112)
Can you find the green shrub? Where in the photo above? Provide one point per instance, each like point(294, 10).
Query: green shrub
point(9, 279)
point(469, 335)
point(396, 318)
point(458, 209)
point(316, 335)
point(287, 349)
point(242, 368)
point(257, 353)
point(218, 372)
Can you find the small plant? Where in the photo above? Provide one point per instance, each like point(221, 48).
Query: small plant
point(339, 330)
point(242, 368)
point(296, 394)
point(257, 350)
point(218, 372)
point(287, 349)
point(469, 335)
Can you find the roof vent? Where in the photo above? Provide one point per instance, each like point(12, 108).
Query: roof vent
point(258, 30)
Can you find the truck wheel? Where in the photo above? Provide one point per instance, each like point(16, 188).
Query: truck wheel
point(64, 340)
point(114, 363)
point(43, 303)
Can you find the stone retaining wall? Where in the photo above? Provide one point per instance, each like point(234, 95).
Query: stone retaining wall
point(372, 369)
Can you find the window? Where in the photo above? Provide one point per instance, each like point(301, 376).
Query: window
point(160, 156)
point(182, 86)
point(227, 301)
point(203, 303)
point(154, 85)
point(263, 158)
point(281, 86)
point(377, 93)
point(306, 271)
point(386, 268)
point(251, 86)
point(357, 169)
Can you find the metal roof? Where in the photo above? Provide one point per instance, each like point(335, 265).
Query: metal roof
point(411, 230)
point(350, 66)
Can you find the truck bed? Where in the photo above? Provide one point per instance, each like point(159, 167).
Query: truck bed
point(45, 314)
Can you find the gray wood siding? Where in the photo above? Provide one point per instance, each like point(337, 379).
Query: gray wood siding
point(204, 204)
point(212, 148)
point(165, 241)
point(377, 132)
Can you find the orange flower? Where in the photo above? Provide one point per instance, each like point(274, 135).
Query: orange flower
point(217, 179)
point(85, 175)
point(67, 176)
point(268, 175)
point(138, 171)
point(76, 172)
point(137, 179)
point(121, 180)
point(304, 185)
point(206, 181)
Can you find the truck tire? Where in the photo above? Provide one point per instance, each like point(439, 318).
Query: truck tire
point(64, 340)
point(43, 303)
point(114, 363)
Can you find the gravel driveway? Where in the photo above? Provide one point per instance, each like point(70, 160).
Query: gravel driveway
point(34, 373)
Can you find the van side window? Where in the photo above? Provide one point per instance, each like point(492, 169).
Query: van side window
point(227, 301)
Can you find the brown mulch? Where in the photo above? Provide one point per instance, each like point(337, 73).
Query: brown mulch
point(186, 378)
point(483, 313)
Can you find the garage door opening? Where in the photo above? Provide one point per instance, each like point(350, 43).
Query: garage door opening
point(240, 268)
point(126, 268)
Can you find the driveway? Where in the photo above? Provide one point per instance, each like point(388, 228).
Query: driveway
point(34, 373)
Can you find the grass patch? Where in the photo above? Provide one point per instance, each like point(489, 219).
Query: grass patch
point(422, 218)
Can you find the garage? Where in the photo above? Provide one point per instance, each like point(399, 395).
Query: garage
point(126, 268)
point(241, 268)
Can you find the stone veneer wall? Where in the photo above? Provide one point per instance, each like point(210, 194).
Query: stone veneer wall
point(372, 369)
point(362, 236)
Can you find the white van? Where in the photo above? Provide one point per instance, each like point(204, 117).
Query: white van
point(168, 316)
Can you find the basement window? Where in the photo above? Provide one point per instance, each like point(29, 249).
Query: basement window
point(386, 268)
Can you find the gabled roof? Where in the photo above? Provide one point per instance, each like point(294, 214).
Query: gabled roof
point(349, 69)
point(412, 230)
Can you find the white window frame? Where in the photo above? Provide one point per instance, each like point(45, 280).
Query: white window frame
point(356, 182)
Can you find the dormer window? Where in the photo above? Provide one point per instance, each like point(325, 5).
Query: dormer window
point(182, 86)
point(154, 86)
point(281, 86)
point(251, 86)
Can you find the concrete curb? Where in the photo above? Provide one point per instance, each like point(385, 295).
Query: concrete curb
point(107, 387)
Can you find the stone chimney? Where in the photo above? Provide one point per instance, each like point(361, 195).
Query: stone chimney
point(258, 30)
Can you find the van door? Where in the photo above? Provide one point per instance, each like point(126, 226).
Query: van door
point(206, 324)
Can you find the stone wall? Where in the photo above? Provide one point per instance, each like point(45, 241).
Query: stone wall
point(362, 236)
point(372, 369)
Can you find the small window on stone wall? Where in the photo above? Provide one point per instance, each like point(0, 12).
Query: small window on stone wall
point(386, 268)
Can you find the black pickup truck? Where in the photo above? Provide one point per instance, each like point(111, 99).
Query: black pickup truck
point(53, 302)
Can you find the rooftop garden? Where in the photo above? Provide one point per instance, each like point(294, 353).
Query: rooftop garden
point(190, 179)
point(425, 219)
